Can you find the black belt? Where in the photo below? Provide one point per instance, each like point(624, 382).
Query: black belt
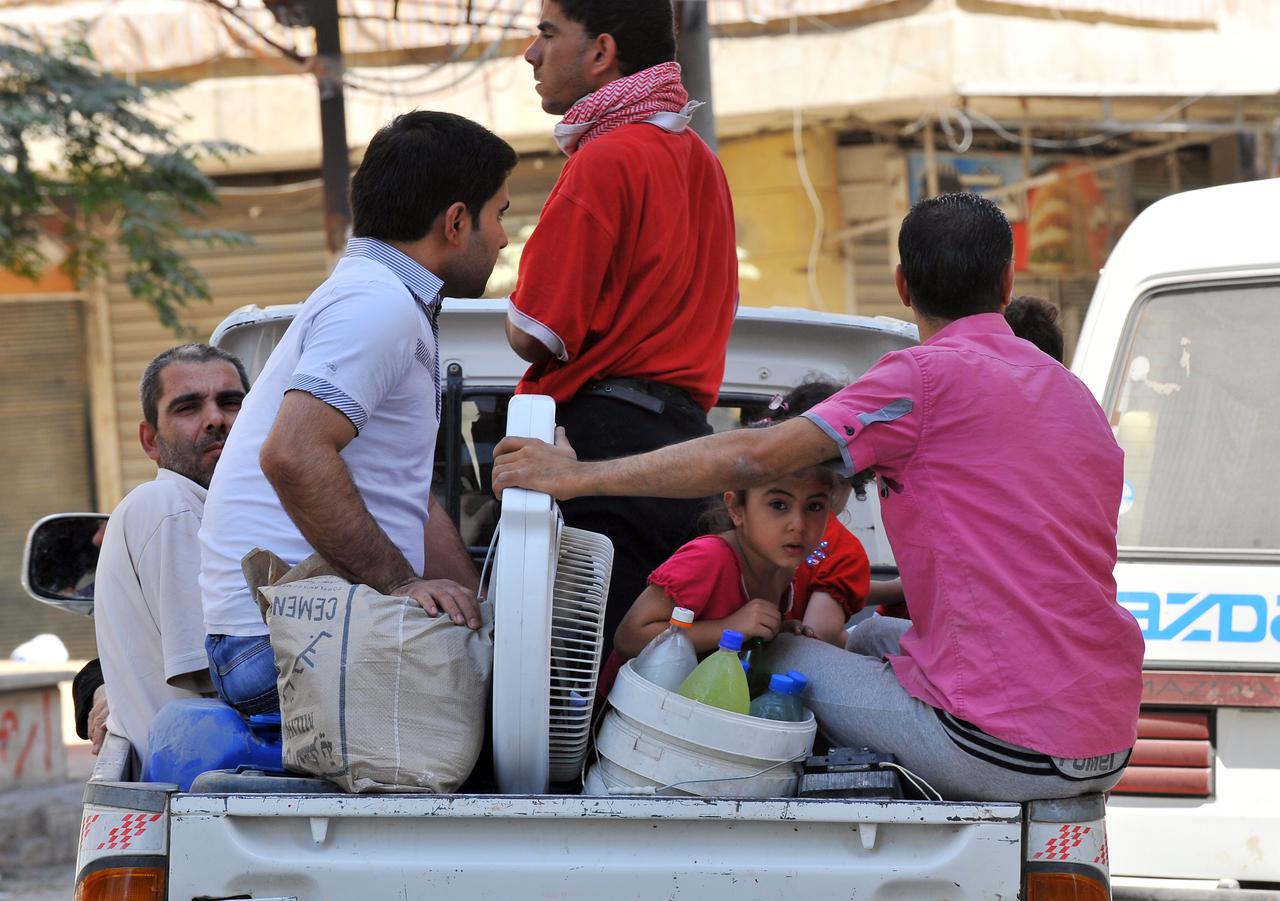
point(650, 396)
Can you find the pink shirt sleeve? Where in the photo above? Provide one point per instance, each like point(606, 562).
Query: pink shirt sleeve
point(703, 576)
point(876, 421)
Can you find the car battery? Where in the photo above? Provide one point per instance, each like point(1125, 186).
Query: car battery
point(850, 773)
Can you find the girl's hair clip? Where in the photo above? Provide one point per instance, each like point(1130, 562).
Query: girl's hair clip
point(778, 402)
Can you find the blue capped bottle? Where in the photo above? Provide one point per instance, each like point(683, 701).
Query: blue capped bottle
point(777, 703)
point(719, 680)
point(799, 682)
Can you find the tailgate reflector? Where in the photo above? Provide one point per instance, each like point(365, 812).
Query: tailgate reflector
point(1173, 755)
point(122, 884)
point(1065, 887)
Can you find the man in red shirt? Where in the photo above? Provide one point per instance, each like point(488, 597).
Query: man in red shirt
point(628, 286)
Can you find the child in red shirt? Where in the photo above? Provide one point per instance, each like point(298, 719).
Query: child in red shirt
point(833, 582)
point(739, 577)
point(811, 593)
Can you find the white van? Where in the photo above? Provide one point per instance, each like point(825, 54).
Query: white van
point(1180, 348)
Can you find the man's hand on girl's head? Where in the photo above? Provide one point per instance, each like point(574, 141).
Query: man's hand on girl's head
point(535, 465)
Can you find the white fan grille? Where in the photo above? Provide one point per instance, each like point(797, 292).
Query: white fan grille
point(583, 564)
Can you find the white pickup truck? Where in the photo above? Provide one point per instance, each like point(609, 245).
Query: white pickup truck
point(266, 837)
point(1178, 347)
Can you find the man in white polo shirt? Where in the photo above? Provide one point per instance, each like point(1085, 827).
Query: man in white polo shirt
point(334, 448)
point(147, 615)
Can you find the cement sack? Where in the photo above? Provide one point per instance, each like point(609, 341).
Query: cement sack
point(375, 695)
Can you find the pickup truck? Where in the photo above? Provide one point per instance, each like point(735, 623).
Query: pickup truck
point(265, 837)
point(1178, 348)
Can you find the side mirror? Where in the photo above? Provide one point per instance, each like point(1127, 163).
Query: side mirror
point(60, 561)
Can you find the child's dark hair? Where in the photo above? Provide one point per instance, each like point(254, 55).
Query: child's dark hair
point(1034, 319)
point(807, 395)
point(800, 399)
point(715, 517)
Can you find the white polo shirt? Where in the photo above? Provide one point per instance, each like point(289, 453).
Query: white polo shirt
point(150, 628)
point(364, 343)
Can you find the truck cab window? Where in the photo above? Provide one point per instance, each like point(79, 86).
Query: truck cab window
point(482, 423)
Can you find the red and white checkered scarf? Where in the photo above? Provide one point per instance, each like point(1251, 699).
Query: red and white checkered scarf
point(633, 98)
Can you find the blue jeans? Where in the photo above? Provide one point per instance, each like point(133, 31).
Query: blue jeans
point(243, 670)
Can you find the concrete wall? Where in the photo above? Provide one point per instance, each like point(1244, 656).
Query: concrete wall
point(31, 714)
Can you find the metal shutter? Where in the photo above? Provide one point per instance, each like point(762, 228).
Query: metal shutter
point(45, 448)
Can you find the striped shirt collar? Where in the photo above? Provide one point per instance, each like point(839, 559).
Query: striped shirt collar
point(423, 284)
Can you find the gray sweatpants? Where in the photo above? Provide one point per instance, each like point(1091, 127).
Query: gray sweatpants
point(859, 702)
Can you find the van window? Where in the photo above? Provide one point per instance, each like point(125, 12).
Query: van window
point(482, 422)
point(1195, 409)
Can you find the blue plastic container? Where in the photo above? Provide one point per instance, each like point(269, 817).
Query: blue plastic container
point(194, 735)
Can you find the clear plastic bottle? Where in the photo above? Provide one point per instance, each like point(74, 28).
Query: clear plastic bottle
point(799, 682)
point(778, 702)
point(719, 680)
point(669, 658)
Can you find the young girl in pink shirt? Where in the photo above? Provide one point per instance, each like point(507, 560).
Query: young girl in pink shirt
point(739, 576)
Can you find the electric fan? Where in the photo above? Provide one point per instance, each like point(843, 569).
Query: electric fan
point(549, 588)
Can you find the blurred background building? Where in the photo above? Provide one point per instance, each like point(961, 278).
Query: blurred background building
point(832, 117)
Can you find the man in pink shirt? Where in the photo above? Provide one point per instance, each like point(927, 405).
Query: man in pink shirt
point(1019, 676)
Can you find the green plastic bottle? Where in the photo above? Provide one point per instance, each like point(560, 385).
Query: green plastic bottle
point(719, 680)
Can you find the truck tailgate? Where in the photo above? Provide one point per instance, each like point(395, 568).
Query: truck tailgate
point(615, 849)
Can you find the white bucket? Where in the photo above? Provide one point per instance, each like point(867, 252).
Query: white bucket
point(655, 739)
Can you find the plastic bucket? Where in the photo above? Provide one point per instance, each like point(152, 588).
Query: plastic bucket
point(655, 740)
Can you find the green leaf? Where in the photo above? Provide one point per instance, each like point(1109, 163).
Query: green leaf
point(121, 177)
